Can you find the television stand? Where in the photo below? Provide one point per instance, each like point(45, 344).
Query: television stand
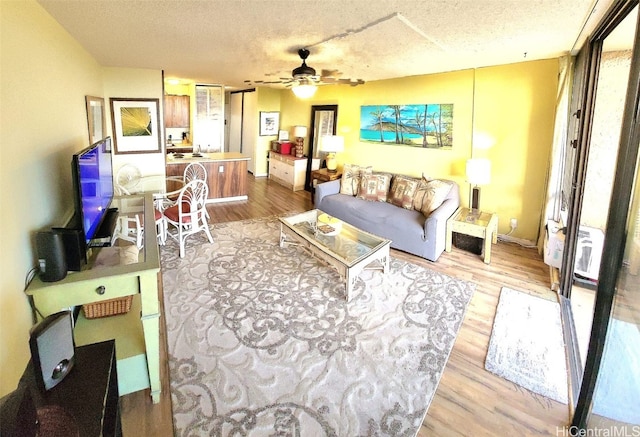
point(104, 234)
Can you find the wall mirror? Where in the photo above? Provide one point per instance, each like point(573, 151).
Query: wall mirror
point(96, 119)
point(323, 122)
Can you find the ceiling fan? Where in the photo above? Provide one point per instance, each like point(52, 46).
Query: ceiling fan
point(305, 76)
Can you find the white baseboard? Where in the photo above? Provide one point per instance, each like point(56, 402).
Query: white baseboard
point(227, 199)
point(520, 241)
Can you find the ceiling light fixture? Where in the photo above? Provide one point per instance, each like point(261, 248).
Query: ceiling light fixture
point(304, 91)
point(305, 88)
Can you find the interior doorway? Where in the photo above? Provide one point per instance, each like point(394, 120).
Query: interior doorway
point(243, 129)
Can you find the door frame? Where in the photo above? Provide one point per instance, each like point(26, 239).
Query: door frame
point(313, 140)
point(615, 233)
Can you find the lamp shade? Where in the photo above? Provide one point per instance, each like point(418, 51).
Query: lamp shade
point(304, 91)
point(478, 171)
point(299, 131)
point(331, 143)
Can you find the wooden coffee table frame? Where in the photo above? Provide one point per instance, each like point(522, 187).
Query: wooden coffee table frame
point(376, 258)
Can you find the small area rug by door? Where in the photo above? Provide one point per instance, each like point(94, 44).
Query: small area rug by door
point(262, 342)
point(527, 346)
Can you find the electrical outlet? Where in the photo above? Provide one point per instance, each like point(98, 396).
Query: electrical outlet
point(514, 223)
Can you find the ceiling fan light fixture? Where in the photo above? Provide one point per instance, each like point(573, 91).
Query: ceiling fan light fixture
point(304, 91)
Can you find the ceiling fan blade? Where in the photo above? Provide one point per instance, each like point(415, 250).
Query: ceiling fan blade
point(352, 82)
point(330, 73)
point(306, 75)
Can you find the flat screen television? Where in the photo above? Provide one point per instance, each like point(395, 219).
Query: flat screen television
point(92, 172)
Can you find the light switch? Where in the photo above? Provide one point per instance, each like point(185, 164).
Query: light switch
point(221, 169)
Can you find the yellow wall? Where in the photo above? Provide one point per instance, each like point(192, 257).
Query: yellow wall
point(179, 89)
point(45, 77)
point(513, 104)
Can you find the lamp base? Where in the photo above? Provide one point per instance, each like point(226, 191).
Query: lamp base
point(332, 164)
point(475, 200)
point(299, 149)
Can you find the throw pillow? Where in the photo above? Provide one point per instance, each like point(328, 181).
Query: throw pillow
point(403, 190)
point(430, 195)
point(350, 180)
point(374, 187)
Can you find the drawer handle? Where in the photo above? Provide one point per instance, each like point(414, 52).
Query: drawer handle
point(101, 290)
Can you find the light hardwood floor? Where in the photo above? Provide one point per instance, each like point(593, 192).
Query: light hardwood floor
point(469, 399)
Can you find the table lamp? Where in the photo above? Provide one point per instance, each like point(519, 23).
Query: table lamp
point(299, 132)
point(478, 173)
point(331, 144)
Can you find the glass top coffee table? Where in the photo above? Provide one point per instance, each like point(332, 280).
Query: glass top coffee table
point(344, 247)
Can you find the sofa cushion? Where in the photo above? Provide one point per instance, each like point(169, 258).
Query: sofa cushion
point(430, 195)
point(402, 191)
point(350, 180)
point(374, 187)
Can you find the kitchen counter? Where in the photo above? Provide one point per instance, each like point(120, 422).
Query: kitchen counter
point(226, 174)
point(207, 157)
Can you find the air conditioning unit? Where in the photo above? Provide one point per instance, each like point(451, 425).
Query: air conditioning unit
point(588, 252)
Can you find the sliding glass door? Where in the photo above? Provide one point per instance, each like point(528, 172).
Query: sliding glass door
point(610, 386)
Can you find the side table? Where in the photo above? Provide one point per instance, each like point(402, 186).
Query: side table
point(482, 225)
point(322, 175)
point(88, 395)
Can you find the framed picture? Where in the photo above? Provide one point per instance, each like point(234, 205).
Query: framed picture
point(427, 126)
point(135, 125)
point(269, 123)
point(96, 119)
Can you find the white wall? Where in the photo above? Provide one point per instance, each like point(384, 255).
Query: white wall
point(136, 83)
point(605, 137)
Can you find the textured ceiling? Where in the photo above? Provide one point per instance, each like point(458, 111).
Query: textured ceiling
point(230, 41)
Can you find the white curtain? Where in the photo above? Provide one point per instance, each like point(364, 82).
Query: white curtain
point(557, 157)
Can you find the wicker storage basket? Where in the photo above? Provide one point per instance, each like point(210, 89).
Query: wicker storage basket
point(111, 307)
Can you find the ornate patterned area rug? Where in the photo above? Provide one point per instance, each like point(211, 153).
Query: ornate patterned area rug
point(526, 345)
point(262, 342)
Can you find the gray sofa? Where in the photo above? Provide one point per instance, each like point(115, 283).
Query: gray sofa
point(408, 230)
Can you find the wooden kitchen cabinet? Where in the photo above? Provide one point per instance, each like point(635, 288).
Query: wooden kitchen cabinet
point(176, 111)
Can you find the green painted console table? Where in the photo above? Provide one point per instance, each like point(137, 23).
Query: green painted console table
point(110, 274)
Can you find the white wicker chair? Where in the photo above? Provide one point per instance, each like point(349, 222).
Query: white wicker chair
point(189, 213)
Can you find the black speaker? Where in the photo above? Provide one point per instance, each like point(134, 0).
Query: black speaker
point(75, 248)
point(52, 349)
point(52, 260)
